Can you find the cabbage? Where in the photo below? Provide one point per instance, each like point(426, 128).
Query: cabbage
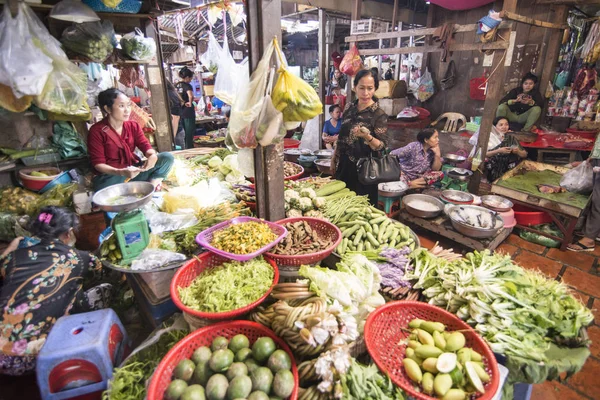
point(224, 169)
point(231, 162)
point(235, 177)
point(215, 162)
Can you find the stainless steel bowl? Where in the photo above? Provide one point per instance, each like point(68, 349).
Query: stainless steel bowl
point(140, 193)
point(324, 166)
point(472, 231)
point(406, 200)
point(460, 174)
point(496, 203)
point(384, 189)
point(457, 196)
point(292, 155)
point(454, 158)
point(324, 153)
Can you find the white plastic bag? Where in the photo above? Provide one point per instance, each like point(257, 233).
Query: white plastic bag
point(311, 135)
point(579, 179)
point(269, 124)
point(162, 222)
point(248, 105)
point(231, 76)
point(213, 53)
point(426, 87)
point(154, 259)
point(138, 47)
point(23, 66)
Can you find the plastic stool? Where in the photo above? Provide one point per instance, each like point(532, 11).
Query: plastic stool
point(389, 204)
point(80, 353)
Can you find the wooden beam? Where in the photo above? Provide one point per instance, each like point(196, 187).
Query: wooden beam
point(569, 2)
point(436, 49)
point(495, 92)
point(394, 14)
point(428, 38)
point(356, 9)
point(553, 48)
point(323, 63)
point(159, 99)
point(264, 22)
point(531, 21)
point(370, 9)
point(415, 32)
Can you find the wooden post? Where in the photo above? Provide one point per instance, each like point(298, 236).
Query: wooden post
point(495, 92)
point(553, 48)
point(395, 14)
point(356, 9)
point(398, 58)
point(323, 62)
point(428, 38)
point(264, 22)
point(159, 98)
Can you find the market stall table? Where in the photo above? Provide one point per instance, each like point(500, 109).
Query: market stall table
point(564, 208)
point(551, 145)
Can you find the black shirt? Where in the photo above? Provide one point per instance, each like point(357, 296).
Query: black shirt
point(520, 108)
point(182, 88)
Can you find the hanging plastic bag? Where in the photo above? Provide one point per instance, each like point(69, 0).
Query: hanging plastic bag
point(23, 66)
point(246, 109)
point(65, 90)
point(231, 76)
point(138, 47)
point(213, 53)
point(426, 87)
point(93, 40)
point(579, 179)
point(269, 124)
point(295, 98)
point(351, 63)
point(9, 101)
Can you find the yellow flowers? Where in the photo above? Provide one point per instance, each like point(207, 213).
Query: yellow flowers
point(243, 238)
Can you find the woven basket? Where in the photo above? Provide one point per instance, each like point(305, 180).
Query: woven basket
point(387, 328)
point(203, 337)
point(138, 115)
point(190, 271)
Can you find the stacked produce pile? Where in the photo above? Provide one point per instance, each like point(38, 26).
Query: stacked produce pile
point(534, 321)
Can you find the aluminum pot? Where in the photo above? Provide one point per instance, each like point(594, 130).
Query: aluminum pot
point(472, 231)
point(496, 203)
point(406, 200)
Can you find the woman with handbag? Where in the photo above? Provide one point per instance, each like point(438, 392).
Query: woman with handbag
point(111, 145)
point(188, 112)
point(364, 130)
point(421, 161)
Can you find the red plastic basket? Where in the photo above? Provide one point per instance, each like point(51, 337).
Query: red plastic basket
point(203, 337)
point(477, 87)
point(190, 271)
point(205, 237)
point(325, 230)
point(290, 143)
point(388, 325)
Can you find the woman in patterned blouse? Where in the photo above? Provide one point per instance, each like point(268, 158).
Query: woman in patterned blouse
point(364, 129)
point(38, 285)
point(421, 161)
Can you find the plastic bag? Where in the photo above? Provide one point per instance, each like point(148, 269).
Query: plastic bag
point(269, 124)
point(213, 53)
point(138, 47)
point(23, 66)
point(426, 87)
point(93, 40)
point(351, 63)
point(231, 76)
point(12, 225)
point(312, 135)
point(579, 179)
point(536, 238)
point(65, 90)
point(162, 222)
point(246, 109)
point(10, 102)
point(155, 258)
point(295, 98)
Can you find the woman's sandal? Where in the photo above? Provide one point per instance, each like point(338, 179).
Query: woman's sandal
point(581, 246)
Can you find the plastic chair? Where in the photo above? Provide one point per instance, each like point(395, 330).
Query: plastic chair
point(452, 120)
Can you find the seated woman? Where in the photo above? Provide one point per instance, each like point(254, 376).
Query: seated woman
point(332, 127)
point(523, 104)
point(111, 143)
point(503, 153)
point(39, 284)
point(421, 161)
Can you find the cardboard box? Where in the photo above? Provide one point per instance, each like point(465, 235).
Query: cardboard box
point(393, 106)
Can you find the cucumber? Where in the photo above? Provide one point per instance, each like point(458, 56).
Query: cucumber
point(375, 229)
point(360, 247)
point(331, 188)
point(378, 220)
point(372, 239)
point(350, 231)
point(341, 193)
point(358, 236)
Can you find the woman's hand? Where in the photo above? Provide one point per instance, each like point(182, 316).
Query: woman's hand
point(12, 246)
point(436, 150)
point(188, 104)
point(504, 150)
point(130, 172)
point(150, 162)
point(361, 132)
point(418, 183)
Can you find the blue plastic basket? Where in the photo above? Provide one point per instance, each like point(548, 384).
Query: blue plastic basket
point(126, 6)
point(62, 179)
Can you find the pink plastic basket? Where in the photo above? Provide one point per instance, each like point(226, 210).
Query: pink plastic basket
point(205, 237)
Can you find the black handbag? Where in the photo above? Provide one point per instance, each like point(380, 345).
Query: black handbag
point(377, 169)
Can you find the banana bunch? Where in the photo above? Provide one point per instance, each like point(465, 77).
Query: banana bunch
point(312, 393)
point(308, 373)
point(295, 98)
point(109, 250)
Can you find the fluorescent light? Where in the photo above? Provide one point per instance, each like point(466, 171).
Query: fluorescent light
point(182, 2)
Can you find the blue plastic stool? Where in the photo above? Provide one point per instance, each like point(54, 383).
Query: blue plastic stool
point(80, 353)
point(387, 204)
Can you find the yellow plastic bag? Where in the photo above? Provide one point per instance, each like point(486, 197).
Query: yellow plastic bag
point(295, 98)
point(181, 198)
point(9, 102)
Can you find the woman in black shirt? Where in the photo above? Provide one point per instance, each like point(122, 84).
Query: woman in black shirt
point(188, 114)
point(364, 129)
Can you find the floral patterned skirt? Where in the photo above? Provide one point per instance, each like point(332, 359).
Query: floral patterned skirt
point(17, 365)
